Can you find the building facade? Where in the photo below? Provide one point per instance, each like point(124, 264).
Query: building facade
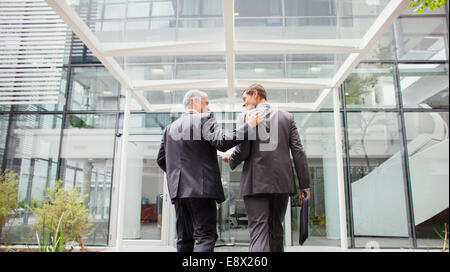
point(393, 108)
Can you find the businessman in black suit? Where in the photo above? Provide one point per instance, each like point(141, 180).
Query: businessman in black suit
point(267, 178)
point(188, 155)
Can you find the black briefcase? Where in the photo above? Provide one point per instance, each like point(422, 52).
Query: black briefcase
point(304, 220)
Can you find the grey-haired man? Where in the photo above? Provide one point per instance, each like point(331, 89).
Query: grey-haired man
point(188, 155)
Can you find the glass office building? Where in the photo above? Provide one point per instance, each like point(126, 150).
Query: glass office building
point(377, 142)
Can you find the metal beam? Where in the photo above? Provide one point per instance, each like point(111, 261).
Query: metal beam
point(228, 22)
point(322, 99)
point(179, 84)
point(340, 169)
point(233, 107)
point(201, 48)
point(145, 104)
point(343, 46)
point(222, 84)
point(187, 48)
point(389, 14)
point(123, 172)
point(288, 83)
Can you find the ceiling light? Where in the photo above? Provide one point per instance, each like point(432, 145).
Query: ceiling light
point(157, 71)
point(373, 2)
point(259, 70)
point(107, 92)
point(315, 69)
point(166, 91)
point(236, 14)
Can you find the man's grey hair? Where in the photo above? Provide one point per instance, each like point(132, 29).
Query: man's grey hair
point(191, 95)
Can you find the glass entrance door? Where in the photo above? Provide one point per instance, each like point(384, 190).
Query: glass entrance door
point(144, 192)
point(149, 218)
point(146, 205)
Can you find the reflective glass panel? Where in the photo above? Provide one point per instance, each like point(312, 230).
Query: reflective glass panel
point(148, 123)
point(317, 134)
point(4, 122)
point(376, 178)
point(147, 21)
point(424, 85)
point(383, 48)
point(33, 154)
point(179, 67)
point(5, 107)
point(139, 9)
point(370, 85)
point(427, 136)
point(93, 88)
point(288, 66)
point(144, 195)
point(87, 159)
point(314, 65)
point(303, 95)
point(427, 42)
point(303, 19)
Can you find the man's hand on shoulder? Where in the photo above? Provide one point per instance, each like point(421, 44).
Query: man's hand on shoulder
point(253, 119)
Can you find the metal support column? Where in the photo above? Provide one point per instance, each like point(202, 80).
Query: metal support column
point(340, 169)
point(123, 170)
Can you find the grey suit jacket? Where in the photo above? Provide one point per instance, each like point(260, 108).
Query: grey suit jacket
point(188, 155)
point(267, 164)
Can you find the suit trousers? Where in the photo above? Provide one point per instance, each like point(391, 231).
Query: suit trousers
point(196, 224)
point(265, 214)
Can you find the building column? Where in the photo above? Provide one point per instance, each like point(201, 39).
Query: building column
point(123, 170)
point(330, 181)
point(133, 193)
point(340, 169)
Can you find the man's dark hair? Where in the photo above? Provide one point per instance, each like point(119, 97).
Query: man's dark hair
point(258, 88)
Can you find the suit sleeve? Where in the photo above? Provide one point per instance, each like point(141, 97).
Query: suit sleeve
point(161, 159)
point(221, 141)
point(299, 156)
point(241, 152)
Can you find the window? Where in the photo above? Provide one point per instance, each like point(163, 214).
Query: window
point(376, 178)
point(427, 136)
point(87, 158)
point(93, 88)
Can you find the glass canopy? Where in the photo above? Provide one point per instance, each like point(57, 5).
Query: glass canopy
point(300, 50)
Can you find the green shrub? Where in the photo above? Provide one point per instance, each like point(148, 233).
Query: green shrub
point(8, 197)
point(52, 241)
point(68, 205)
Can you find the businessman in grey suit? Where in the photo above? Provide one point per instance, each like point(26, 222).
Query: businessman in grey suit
point(188, 155)
point(267, 178)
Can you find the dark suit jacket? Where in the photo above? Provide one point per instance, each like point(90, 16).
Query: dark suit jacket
point(188, 155)
point(267, 167)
